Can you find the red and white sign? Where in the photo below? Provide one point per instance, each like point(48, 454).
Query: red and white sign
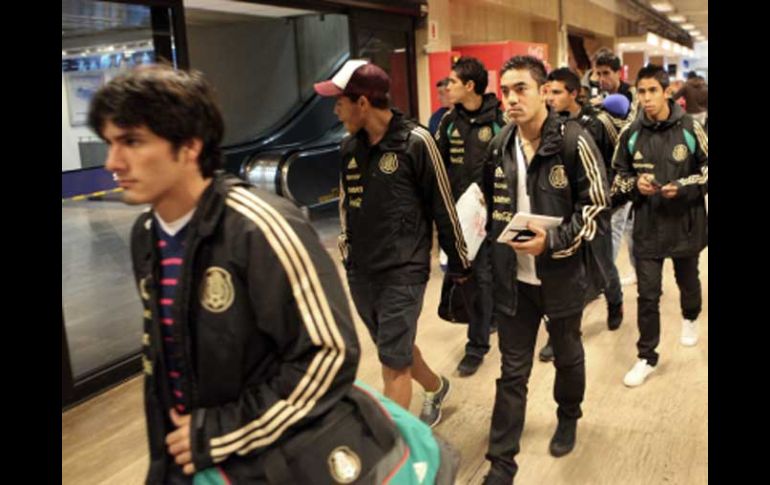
point(433, 30)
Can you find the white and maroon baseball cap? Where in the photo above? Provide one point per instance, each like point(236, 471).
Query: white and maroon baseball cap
point(358, 78)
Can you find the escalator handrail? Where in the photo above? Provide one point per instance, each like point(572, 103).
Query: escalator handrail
point(285, 123)
point(322, 149)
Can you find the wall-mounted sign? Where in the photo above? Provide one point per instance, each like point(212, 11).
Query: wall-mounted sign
point(101, 62)
point(81, 87)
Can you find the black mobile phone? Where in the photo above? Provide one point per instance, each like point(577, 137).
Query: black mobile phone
point(523, 236)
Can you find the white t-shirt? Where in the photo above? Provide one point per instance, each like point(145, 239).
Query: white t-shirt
point(525, 263)
point(171, 228)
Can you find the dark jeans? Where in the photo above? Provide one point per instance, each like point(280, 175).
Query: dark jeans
point(517, 347)
point(480, 295)
point(649, 278)
point(613, 292)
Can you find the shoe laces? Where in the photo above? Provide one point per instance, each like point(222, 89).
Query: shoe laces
point(429, 403)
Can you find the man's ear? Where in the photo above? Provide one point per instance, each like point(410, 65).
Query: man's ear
point(192, 149)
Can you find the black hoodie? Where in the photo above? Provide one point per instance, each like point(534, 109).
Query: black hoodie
point(674, 150)
point(462, 138)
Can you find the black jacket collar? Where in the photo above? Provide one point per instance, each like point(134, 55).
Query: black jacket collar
point(487, 113)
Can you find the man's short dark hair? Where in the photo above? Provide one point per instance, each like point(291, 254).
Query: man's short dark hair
point(602, 51)
point(692, 75)
point(442, 83)
point(175, 105)
point(653, 71)
point(534, 65)
point(471, 69)
point(570, 79)
point(609, 60)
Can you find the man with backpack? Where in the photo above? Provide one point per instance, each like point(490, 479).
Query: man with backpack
point(539, 164)
point(462, 139)
point(662, 167)
point(564, 86)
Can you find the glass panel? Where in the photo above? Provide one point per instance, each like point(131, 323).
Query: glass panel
point(263, 68)
point(387, 49)
point(102, 312)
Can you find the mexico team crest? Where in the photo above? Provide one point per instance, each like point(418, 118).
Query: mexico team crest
point(485, 134)
point(389, 163)
point(344, 465)
point(557, 177)
point(217, 293)
point(680, 153)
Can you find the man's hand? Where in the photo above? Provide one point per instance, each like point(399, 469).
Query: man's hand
point(644, 184)
point(669, 190)
point(534, 246)
point(178, 442)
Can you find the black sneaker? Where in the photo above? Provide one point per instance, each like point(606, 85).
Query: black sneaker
point(469, 365)
point(614, 316)
point(563, 440)
point(431, 406)
point(546, 353)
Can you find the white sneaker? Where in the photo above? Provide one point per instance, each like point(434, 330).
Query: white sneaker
point(628, 280)
point(689, 333)
point(638, 373)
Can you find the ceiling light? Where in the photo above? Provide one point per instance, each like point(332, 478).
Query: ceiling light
point(688, 26)
point(662, 6)
point(677, 18)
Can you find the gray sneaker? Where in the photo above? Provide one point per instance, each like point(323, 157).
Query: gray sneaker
point(431, 407)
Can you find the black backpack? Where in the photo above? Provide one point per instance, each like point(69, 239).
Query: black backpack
point(597, 253)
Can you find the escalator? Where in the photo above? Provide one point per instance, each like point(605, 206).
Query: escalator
point(280, 135)
point(299, 158)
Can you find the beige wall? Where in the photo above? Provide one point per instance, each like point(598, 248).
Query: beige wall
point(474, 23)
point(438, 12)
point(593, 44)
point(463, 22)
point(588, 16)
point(547, 32)
point(634, 61)
point(656, 60)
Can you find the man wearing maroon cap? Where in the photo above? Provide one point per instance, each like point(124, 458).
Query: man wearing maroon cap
point(393, 187)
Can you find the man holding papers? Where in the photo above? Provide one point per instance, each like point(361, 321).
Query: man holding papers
point(462, 139)
point(544, 166)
